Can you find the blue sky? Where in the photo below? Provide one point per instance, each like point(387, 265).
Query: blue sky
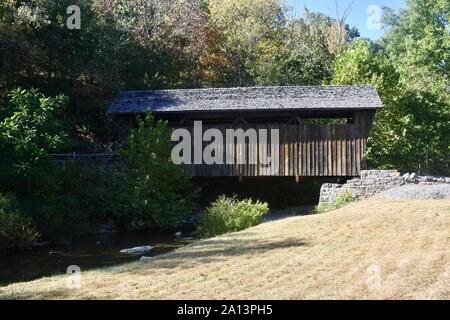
point(358, 16)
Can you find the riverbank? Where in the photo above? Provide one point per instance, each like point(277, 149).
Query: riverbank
point(88, 252)
point(377, 248)
point(102, 249)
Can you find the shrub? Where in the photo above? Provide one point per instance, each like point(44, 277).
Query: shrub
point(341, 200)
point(230, 215)
point(80, 198)
point(15, 230)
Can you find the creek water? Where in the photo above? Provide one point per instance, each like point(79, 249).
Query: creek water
point(86, 252)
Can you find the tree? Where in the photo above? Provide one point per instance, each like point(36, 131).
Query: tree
point(151, 189)
point(418, 42)
point(88, 65)
point(364, 62)
point(305, 53)
point(411, 131)
point(29, 130)
point(176, 33)
point(411, 134)
point(248, 28)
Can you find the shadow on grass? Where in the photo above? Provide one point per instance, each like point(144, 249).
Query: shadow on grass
point(219, 249)
point(202, 252)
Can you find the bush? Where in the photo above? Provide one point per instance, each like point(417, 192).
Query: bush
point(340, 201)
point(79, 199)
point(230, 215)
point(15, 230)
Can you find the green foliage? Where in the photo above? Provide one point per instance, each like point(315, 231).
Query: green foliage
point(341, 200)
point(75, 200)
point(140, 44)
point(57, 202)
point(264, 47)
point(303, 53)
point(88, 65)
point(411, 131)
point(15, 229)
point(153, 191)
point(418, 42)
point(411, 134)
point(230, 215)
point(365, 63)
point(29, 130)
point(250, 29)
point(147, 189)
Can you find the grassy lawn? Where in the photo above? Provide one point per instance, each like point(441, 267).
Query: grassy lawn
point(336, 254)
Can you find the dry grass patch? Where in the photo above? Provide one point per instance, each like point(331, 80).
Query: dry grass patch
point(332, 255)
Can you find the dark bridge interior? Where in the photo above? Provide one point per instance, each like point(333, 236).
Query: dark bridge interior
point(278, 192)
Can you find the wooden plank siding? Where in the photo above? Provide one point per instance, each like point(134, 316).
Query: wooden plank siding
point(304, 150)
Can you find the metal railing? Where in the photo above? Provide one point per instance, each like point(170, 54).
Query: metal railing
point(92, 160)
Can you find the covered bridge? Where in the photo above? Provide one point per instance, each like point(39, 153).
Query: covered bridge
point(323, 130)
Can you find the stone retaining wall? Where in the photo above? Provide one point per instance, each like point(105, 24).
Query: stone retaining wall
point(372, 182)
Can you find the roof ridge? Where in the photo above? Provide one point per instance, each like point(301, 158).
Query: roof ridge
point(250, 87)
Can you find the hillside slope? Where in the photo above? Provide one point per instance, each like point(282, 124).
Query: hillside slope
point(378, 248)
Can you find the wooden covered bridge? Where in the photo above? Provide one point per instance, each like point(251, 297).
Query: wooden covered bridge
point(323, 130)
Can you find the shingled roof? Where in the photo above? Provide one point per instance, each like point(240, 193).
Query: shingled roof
point(247, 99)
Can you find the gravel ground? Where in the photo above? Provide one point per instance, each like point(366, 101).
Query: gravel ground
point(416, 191)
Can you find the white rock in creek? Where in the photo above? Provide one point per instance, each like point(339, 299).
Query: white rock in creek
point(178, 234)
point(137, 250)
